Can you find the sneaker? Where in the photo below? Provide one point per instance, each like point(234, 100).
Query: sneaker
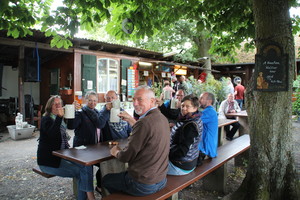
point(229, 138)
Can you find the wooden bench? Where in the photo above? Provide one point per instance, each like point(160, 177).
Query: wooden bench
point(177, 183)
point(39, 171)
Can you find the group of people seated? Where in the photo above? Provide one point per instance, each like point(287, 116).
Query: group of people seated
point(165, 139)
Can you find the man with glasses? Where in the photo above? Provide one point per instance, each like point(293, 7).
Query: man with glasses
point(112, 130)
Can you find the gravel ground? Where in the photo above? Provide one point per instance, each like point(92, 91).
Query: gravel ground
point(17, 181)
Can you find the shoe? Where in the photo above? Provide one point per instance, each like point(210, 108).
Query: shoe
point(97, 190)
point(229, 138)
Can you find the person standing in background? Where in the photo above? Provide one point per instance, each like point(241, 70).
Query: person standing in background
point(175, 85)
point(239, 91)
point(230, 87)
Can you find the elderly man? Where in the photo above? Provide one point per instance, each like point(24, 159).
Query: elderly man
point(172, 113)
point(229, 105)
point(209, 143)
point(146, 152)
point(112, 130)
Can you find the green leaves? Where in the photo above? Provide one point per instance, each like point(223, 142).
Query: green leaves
point(59, 42)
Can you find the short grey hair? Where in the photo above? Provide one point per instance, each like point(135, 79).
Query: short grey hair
point(149, 91)
point(89, 93)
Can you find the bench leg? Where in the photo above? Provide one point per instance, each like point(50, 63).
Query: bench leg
point(240, 159)
point(216, 180)
point(244, 126)
point(111, 166)
point(174, 197)
point(75, 192)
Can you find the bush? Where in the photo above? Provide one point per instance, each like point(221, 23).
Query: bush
point(218, 88)
point(296, 103)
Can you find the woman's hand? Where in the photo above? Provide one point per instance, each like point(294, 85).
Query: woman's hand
point(60, 112)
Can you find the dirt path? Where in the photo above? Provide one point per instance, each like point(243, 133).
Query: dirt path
point(17, 181)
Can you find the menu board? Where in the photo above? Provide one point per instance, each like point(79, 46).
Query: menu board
point(132, 82)
point(271, 69)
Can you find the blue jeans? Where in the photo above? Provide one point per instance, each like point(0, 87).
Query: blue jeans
point(83, 174)
point(240, 102)
point(123, 182)
point(173, 170)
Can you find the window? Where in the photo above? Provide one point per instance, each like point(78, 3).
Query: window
point(107, 75)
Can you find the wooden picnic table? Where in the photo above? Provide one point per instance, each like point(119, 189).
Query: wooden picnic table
point(242, 118)
point(95, 154)
point(92, 154)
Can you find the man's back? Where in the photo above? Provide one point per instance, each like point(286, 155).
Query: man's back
point(209, 142)
point(239, 91)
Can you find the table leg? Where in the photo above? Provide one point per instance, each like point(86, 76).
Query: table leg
point(111, 166)
point(221, 133)
point(244, 126)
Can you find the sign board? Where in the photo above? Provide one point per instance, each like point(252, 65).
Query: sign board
point(271, 69)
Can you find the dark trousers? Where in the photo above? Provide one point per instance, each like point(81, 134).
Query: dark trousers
point(230, 132)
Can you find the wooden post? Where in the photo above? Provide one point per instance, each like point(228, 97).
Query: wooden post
point(20, 81)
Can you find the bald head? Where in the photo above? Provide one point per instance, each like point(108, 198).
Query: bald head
point(110, 96)
point(206, 99)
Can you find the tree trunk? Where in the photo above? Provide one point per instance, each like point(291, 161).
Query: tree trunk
point(271, 171)
point(203, 45)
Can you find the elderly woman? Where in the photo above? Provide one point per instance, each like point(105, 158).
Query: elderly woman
point(87, 126)
point(185, 138)
point(53, 137)
point(86, 122)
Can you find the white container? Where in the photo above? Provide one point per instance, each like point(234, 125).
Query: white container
point(17, 134)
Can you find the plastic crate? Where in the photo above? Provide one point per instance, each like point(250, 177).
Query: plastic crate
point(17, 134)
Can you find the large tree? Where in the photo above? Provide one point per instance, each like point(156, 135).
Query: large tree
point(271, 173)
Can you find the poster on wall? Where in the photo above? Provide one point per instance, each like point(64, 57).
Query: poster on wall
point(132, 82)
point(89, 85)
point(146, 73)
